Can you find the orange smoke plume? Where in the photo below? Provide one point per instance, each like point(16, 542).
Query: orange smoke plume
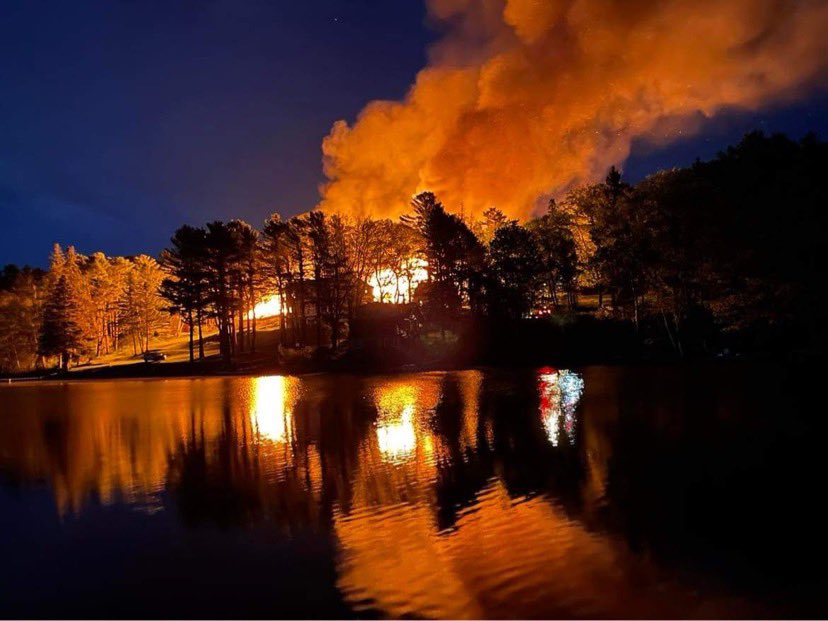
point(524, 98)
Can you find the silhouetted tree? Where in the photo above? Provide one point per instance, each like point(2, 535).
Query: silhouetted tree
point(557, 254)
point(278, 263)
point(515, 268)
point(186, 286)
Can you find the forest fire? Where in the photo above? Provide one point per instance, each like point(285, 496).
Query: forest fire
point(388, 286)
point(270, 306)
point(397, 286)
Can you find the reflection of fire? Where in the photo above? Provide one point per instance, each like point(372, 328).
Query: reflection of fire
point(396, 434)
point(396, 286)
point(270, 306)
point(271, 414)
point(560, 392)
point(397, 440)
point(399, 434)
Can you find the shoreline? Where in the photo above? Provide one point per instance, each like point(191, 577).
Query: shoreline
point(198, 370)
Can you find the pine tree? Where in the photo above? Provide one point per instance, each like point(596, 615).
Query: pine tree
point(81, 302)
point(60, 334)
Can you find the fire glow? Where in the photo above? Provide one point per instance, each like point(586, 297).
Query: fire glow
point(271, 414)
point(271, 306)
point(387, 286)
point(397, 286)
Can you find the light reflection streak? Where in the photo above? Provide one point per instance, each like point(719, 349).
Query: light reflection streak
point(396, 433)
point(399, 432)
point(560, 392)
point(271, 414)
point(397, 440)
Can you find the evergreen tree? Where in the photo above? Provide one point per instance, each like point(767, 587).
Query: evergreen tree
point(515, 266)
point(60, 333)
point(185, 287)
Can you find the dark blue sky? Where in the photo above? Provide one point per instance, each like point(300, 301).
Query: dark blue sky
point(120, 121)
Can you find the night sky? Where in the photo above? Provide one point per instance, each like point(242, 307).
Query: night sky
point(119, 121)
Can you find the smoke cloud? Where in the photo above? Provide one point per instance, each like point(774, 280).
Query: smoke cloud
point(524, 98)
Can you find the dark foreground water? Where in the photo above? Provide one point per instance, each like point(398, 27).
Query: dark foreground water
point(643, 492)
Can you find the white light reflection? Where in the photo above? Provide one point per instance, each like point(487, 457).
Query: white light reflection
point(398, 439)
point(560, 392)
point(271, 414)
point(399, 435)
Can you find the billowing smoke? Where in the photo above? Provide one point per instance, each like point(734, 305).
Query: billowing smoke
point(524, 98)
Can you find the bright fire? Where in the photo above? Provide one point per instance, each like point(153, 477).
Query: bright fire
point(387, 286)
point(270, 306)
point(397, 287)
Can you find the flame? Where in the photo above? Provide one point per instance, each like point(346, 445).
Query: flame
point(398, 286)
point(270, 306)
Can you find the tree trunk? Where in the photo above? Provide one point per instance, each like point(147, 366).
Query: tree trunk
point(192, 328)
point(318, 310)
point(635, 310)
point(303, 325)
point(200, 336)
point(240, 331)
point(253, 333)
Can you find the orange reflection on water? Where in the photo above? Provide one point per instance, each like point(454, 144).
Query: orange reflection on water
point(470, 384)
point(398, 562)
point(504, 557)
point(271, 413)
point(396, 434)
point(104, 441)
point(400, 429)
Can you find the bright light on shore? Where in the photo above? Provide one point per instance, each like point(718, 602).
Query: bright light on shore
point(397, 287)
point(269, 307)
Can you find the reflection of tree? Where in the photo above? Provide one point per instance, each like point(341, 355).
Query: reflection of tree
point(466, 463)
point(480, 498)
point(235, 451)
point(215, 481)
point(242, 476)
point(503, 559)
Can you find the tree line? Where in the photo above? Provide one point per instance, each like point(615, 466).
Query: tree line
point(81, 308)
point(734, 245)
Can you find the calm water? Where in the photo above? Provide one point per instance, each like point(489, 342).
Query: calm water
point(640, 492)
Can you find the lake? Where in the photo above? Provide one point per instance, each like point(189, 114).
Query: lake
point(597, 492)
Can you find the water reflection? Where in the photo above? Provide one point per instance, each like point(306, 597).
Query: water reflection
point(560, 392)
point(432, 494)
point(272, 411)
point(396, 434)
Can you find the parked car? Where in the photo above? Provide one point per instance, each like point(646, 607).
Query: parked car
point(154, 355)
